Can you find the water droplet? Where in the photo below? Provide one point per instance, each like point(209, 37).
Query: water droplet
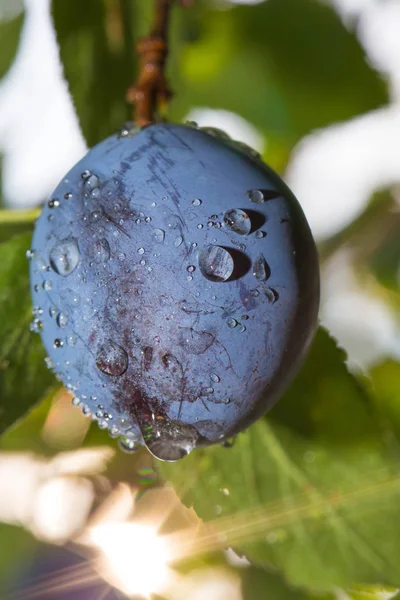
point(96, 193)
point(58, 343)
point(245, 317)
point(254, 293)
point(141, 250)
point(47, 285)
point(260, 234)
point(86, 174)
point(62, 320)
point(64, 257)
point(261, 270)
point(148, 219)
point(271, 295)
point(72, 340)
point(237, 220)
point(167, 440)
point(216, 263)
point(196, 202)
point(37, 311)
point(242, 328)
point(159, 235)
point(76, 401)
point(121, 257)
point(256, 196)
point(231, 322)
point(215, 132)
point(207, 391)
point(128, 445)
point(68, 196)
point(30, 254)
point(100, 251)
point(178, 241)
point(112, 359)
point(189, 278)
point(129, 129)
point(215, 378)
point(53, 312)
point(96, 215)
point(200, 226)
point(102, 424)
point(210, 224)
point(91, 183)
point(190, 268)
point(53, 203)
point(154, 204)
point(36, 326)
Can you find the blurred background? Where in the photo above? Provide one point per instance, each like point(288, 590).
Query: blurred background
point(314, 86)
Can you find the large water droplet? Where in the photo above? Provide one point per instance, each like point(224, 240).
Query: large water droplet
point(159, 235)
point(261, 270)
point(178, 241)
point(238, 221)
point(216, 263)
point(112, 359)
point(196, 202)
point(167, 440)
point(64, 257)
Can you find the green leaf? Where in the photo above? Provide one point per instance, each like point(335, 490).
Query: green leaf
point(10, 31)
point(287, 67)
point(312, 489)
point(97, 52)
point(24, 378)
point(259, 584)
point(16, 222)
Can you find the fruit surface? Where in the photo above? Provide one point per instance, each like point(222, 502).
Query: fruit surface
point(175, 285)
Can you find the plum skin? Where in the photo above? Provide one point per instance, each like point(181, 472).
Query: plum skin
point(150, 346)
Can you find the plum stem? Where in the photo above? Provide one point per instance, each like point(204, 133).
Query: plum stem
point(151, 92)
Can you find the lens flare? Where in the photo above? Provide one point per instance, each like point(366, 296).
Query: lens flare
point(134, 558)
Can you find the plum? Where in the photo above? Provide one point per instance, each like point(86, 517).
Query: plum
point(175, 285)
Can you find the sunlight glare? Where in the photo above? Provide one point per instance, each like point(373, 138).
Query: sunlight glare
point(135, 559)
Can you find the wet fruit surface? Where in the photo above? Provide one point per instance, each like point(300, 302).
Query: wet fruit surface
point(175, 285)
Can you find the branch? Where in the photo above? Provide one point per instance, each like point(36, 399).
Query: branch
point(151, 91)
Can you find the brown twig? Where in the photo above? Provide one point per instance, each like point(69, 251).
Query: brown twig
point(151, 90)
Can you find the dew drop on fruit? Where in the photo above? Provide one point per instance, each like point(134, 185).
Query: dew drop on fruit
point(96, 215)
point(215, 378)
point(58, 343)
point(207, 391)
point(167, 440)
point(47, 285)
point(271, 295)
point(72, 340)
point(261, 270)
point(256, 196)
point(141, 250)
point(237, 220)
point(36, 326)
point(196, 202)
point(62, 320)
point(64, 257)
point(231, 322)
point(53, 312)
point(91, 183)
point(159, 235)
point(260, 234)
point(178, 241)
point(216, 263)
point(112, 359)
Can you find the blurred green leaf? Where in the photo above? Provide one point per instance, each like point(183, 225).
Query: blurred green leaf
point(259, 584)
point(16, 222)
point(312, 489)
point(10, 31)
point(288, 67)
point(97, 52)
point(24, 378)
